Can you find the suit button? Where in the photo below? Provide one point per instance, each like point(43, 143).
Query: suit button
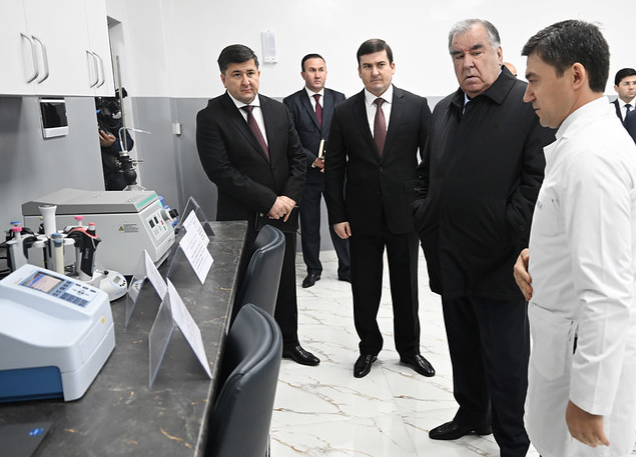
point(380, 169)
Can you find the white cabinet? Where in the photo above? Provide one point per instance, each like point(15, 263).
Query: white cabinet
point(46, 49)
point(98, 51)
point(17, 50)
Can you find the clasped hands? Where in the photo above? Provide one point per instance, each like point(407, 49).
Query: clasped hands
point(282, 208)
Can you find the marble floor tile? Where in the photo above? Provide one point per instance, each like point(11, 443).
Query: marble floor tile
point(324, 411)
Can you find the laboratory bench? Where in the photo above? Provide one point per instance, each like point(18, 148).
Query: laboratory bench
point(119, 415)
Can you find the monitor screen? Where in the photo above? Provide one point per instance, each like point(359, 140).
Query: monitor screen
point(53, 117)
point(41, 281)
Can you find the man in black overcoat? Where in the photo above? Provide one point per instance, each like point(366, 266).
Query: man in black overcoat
point(479, 181)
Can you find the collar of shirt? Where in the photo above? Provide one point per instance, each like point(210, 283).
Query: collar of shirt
point(622, 104)
point(239, 104)
point(369, 98)
point(591, 110)
point(497, 92)
point(312, 100)
point(257, 113)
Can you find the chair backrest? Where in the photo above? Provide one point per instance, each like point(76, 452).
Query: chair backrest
point(242, 413)
point(262, 277)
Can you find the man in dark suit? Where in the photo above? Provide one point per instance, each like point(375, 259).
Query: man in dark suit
point(312, 110)
point(480, 178)
point(370, 179)
point(248, 147)
point(625, 87)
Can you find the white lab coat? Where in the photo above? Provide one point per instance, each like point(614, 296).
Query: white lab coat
point(583, 269)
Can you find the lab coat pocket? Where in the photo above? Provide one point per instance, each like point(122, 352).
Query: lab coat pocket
point(552, 342)
point(546, 215)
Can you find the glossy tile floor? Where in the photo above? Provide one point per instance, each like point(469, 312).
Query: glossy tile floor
point(325, 411)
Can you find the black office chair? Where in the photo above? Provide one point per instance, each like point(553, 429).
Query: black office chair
point(262, 277)
point(242, 413)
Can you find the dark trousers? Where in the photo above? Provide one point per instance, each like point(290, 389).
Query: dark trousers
point(286, 313)
point(310, 233)
point(366, 284)
point(489, 347)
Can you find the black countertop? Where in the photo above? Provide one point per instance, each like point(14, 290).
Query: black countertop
point(119, 415)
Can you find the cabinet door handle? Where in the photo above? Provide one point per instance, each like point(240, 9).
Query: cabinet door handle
point(45, 59)
point(34, 59)
point(101, 71)
point(92, 64)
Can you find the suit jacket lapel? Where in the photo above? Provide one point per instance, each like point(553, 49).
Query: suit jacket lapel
point(272, 124)
point(397, 110)
point(306, 103)
point(360, 116)
point(618, 109)
point(327, 111)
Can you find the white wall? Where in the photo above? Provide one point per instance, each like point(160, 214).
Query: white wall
point(173, 44)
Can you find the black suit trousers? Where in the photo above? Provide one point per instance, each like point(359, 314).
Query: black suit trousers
point(489, 346)
point(310, 232)
point(367, 260)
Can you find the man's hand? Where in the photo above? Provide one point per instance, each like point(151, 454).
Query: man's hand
point(585, 427)
point(282, 207)
point(106, 140)
point(319, 163)
point(342, 229)
point(524, 281)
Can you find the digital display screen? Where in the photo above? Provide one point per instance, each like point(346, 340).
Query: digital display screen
point(42, 281)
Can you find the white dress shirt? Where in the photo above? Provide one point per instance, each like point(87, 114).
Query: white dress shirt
point(256, 113)
point(623, 107)
point(311, 93)
point(369, 98)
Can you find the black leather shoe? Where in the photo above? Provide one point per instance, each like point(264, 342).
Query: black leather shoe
point(452, 431)
point(362, 367)
point(311, 279)
point(419, 364)
point(299, 355)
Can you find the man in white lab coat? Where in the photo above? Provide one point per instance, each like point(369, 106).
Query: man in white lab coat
point(581, 280)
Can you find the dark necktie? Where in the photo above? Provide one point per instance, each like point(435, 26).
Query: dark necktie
point(251, 123)
point(628, 107)
point(318, 109)
point(379, 125)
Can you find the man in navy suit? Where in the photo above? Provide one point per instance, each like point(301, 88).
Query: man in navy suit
point(248, 147)
point(370, 181)
point(625, 87)
point(312, 110)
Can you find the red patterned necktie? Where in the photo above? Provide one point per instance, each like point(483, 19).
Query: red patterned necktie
point(318, 109)
point(251, 123)
point(379, 125)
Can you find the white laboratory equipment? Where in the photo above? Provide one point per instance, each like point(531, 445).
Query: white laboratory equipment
point(56, 334)
point(126, 222)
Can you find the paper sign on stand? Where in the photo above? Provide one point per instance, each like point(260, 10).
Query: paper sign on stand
point(193, 206)
point(193, 244)
point(173, 313)
point(145, 269)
